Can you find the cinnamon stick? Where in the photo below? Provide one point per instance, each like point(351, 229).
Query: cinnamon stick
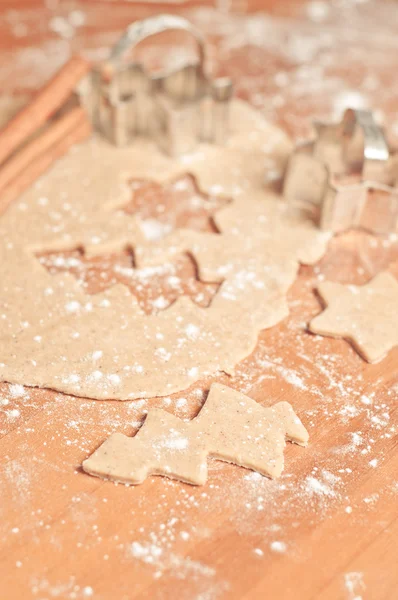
point(38, 166)
point(46, 102)
point(39, 145)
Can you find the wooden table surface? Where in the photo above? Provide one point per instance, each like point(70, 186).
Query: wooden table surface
point(328, 528)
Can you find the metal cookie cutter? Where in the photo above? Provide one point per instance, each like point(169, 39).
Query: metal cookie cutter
point(177, 108)
point(347, 174)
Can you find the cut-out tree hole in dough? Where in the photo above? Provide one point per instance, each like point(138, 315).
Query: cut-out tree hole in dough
point(155, 287)
point(55, 334)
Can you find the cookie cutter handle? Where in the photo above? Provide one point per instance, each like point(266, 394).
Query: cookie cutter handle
point(141, 30)
point(365, 146)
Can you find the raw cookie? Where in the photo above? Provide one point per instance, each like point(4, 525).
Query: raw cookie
point(230, 427)
point(54, 334)
point(367, 316)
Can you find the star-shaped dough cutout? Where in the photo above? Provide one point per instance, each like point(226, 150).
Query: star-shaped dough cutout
point(367, 316)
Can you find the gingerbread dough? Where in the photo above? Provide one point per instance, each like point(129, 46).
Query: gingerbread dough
point(367, 316)
point(53, 334)
point(230, 427)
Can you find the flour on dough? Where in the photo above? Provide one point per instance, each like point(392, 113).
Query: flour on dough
point(55, 335)
point(366, 315)
point(229, 427)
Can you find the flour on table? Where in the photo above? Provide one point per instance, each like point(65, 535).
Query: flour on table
point(47, 339)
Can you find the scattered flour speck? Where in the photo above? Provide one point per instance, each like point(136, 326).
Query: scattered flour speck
point(279, 547)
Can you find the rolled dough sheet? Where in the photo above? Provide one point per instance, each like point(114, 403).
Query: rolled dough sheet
point(53, 334)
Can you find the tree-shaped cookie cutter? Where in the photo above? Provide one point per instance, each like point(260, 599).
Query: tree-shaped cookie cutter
point(348, 174)
point(178, 108)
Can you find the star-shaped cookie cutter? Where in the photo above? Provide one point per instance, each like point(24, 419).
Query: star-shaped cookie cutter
point(347, 174)
point(177, 108)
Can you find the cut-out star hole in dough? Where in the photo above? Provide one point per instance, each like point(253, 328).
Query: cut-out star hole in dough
point(155, 287)
point(367, 316)
point(229, 427)
point(175, 204)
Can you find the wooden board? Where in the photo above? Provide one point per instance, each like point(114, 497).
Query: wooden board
point(328, 528)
